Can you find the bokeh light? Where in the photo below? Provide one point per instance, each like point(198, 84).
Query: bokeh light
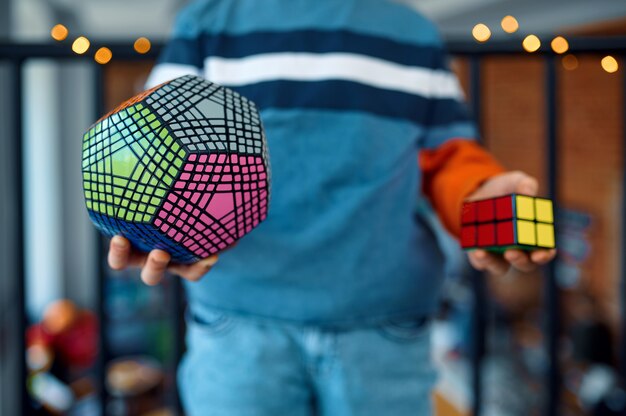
point(609, 64)
point(509, 24)
point(142, 45)
point(559, 44)
point(531, 43)
point(569, 62)
point(59, 32)
point(80, 45)
point(481, 32)
point(103, 55)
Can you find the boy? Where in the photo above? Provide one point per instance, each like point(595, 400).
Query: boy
point(323, 309)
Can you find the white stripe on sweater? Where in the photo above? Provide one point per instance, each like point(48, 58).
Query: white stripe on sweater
point(366, 70)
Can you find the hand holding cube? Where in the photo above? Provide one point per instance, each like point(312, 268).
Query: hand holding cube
point(503, 215)
point(510, 221)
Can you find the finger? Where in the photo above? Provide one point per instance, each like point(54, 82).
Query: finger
point(194, 272)
point(482, 260)
point(526, 184)
point(154, 269)
point(119, 253)
point(542, 257)
point(519, 260)
point(477, 259)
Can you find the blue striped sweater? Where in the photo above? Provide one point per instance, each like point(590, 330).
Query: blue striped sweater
point(349, 91)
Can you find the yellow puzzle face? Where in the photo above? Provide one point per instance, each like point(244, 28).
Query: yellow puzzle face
point(543, 210)
point(524, 207)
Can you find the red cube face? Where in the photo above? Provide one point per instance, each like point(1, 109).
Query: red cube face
point(504, 208)
point(468, 236)
point(468, 213)
point(486, 235)
point(505, 234)
point(486, 210)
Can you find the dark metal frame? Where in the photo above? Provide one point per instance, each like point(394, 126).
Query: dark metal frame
point(551, 290)
point(17, 55)
point(20, 287)
point(622, 351)
point(479, 310)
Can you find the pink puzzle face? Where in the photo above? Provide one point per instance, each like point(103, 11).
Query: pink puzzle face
point(182, 167)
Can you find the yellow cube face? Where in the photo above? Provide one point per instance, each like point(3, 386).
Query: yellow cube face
point(544, 210)
point(545, 235)
point(526, 233)
point(525, 207)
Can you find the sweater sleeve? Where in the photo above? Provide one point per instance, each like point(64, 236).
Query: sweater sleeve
point(451, 172)
point(452, 163)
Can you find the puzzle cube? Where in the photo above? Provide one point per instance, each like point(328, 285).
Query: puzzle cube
point(511, 221)
point(182, 167)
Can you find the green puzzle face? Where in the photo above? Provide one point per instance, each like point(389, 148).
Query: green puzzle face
point(131, 162)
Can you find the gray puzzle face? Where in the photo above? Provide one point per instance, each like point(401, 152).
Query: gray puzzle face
point(182, 167)
point(203, 118)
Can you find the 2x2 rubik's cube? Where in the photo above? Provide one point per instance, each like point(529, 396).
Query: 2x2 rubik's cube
point(511, 221)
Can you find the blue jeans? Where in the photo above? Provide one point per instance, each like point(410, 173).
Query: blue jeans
point(242, 366)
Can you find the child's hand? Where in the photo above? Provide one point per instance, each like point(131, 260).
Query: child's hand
point(154, 264)
point(508, 183)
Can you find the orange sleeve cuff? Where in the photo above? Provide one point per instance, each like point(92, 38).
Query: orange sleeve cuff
point(451, 173)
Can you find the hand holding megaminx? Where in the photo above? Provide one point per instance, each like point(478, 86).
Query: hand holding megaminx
point(182, 167)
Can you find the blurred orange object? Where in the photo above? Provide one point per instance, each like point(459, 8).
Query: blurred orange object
point(59, 316)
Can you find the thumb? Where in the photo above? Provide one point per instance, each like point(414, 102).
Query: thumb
point(527, 185)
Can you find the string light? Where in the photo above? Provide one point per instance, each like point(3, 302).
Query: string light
point(559, 44)
point(509, 24)
point(609, 64)
point(569, 62)
point(142, 45)
point(103, 55)
point(59, 32)
point(80, 45)
point(531, 43)
point(481, 32)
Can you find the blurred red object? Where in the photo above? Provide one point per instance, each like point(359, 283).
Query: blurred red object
point(68, 331)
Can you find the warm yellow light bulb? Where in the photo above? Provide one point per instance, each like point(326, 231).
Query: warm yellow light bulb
point(559, 44)
point(569, 62)
point(509, 24)
point(531, 43)
point(609, 64)
point(59, 32)
point(80, 45)
point(481, 32)
point(142, 45)
point(103, 55)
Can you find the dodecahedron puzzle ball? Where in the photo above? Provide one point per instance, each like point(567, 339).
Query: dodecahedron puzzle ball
point(511, 221)
point(182, 167)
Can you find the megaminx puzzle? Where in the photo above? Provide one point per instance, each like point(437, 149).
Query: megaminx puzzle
point(182, 167)
point(511, 221)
